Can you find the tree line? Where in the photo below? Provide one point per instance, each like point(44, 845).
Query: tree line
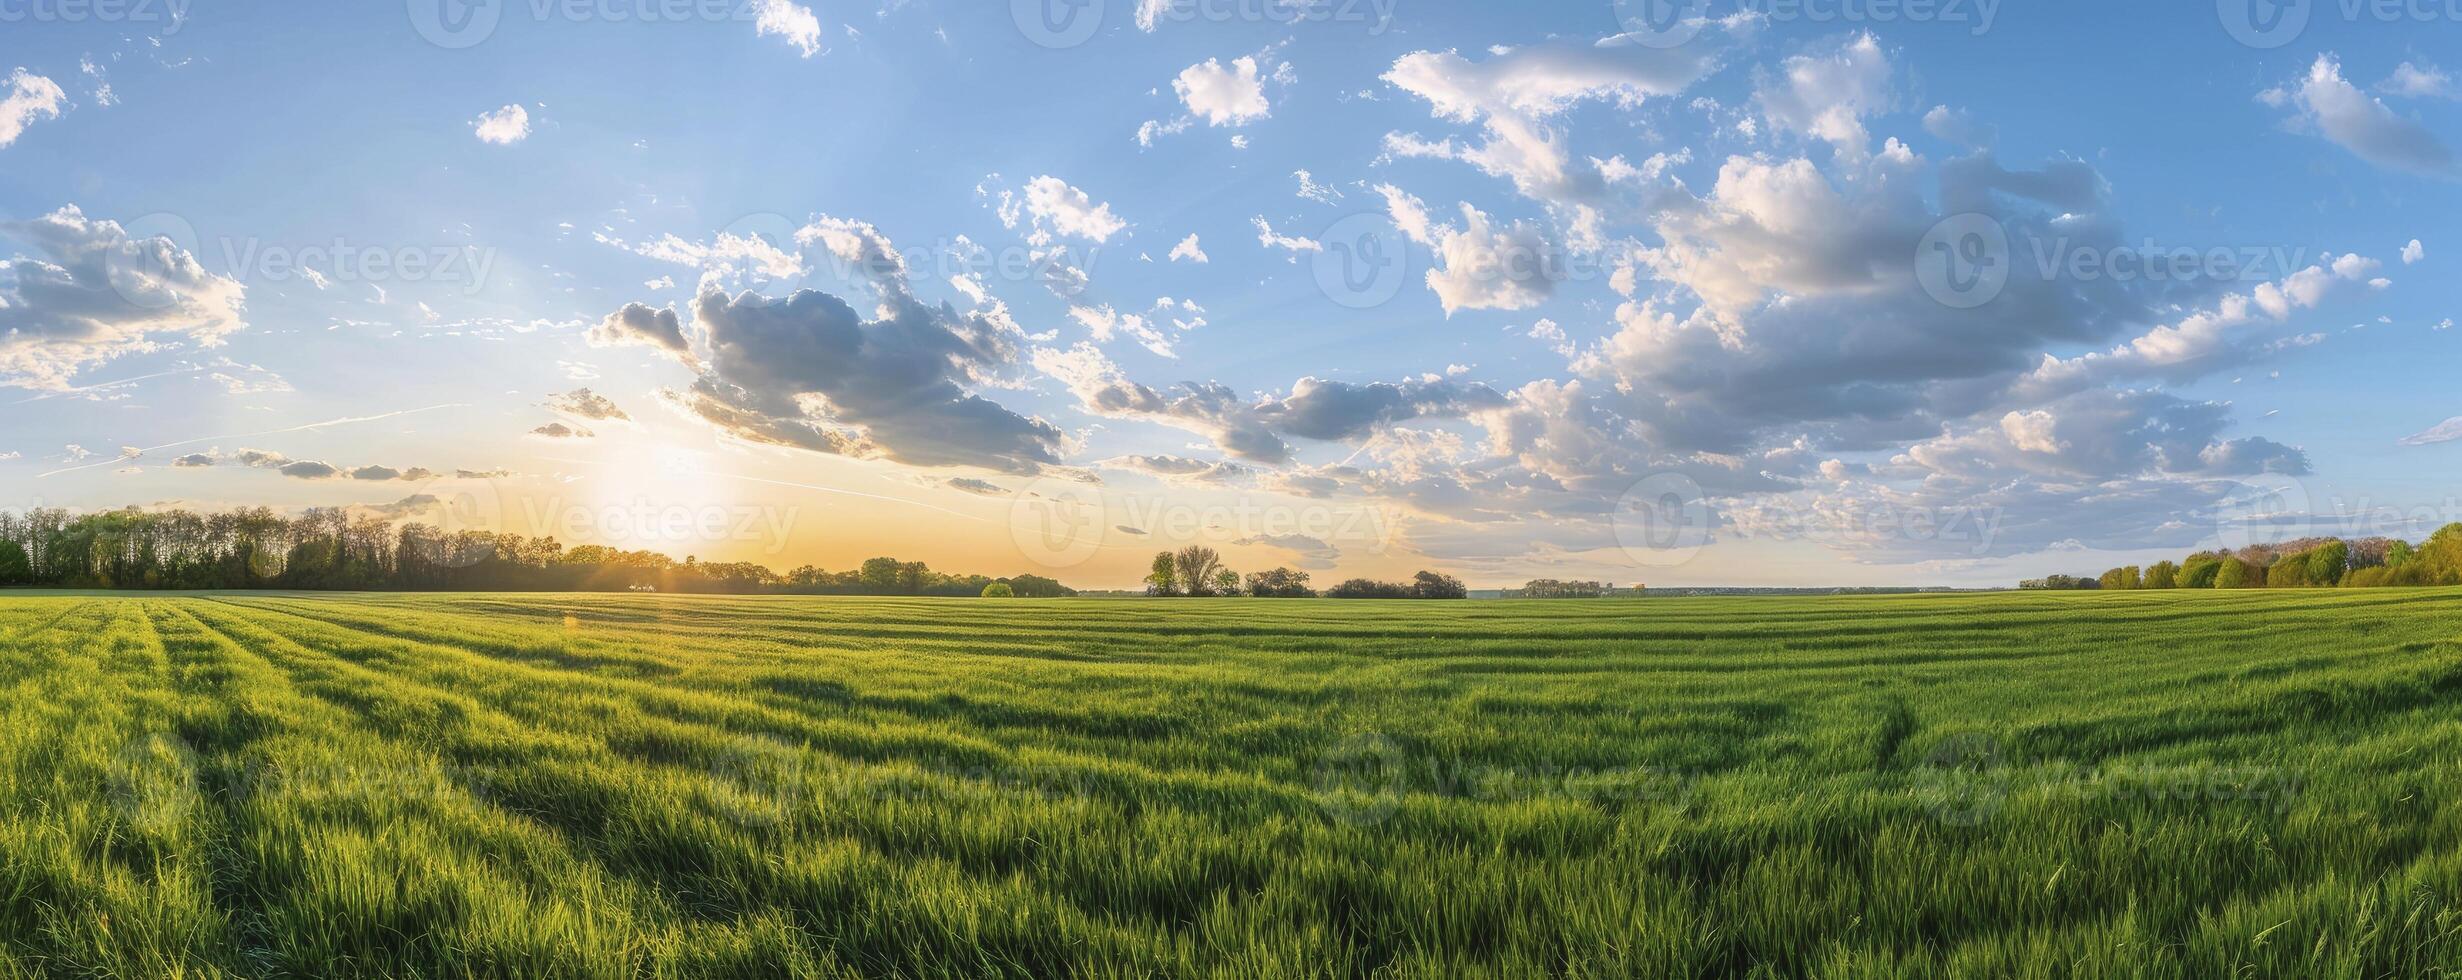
point(1198, 572)
point(328, 549)
point(2304, 563)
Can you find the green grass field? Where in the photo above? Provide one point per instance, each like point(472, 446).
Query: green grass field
point(2145, 784)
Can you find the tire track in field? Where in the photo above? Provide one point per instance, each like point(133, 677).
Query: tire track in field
point(47, 625)
point(650, 910)
point(982, 873)
point(586, 813)
point(228, 774)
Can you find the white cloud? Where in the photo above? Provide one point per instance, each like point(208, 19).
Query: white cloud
point(30, 97)
point(785, 19)
point(1069, 211)
point(1150, 14)
point(1268, 237)
point(503, 127)
point(2417, 82)
point(1189, 251)
point(2449, 430)
point(1827, 94)
point(1514, 92)
point(1310, 190)
point(1481, 265)
point(1233, 96)
point(95, 293)
point(1959, 126)
point(2363, 125)
point(2413, 252)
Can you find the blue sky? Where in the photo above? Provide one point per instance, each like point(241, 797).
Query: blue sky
point(1683, 333)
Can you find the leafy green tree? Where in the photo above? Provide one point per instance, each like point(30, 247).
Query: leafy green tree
point(2288, 572)
point(2232, 575)
point(2200, 570)
point(999, 590)
point(15, 569)
point(1162, 578)
point(880, 573)
point(2162, 575)
point(1281, 583)
point(1198, 570)
point(1430, 585)
point(2327, 563)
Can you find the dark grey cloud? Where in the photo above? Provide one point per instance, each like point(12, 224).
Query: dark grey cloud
point(1336, 411)
point(640, 324)
point(809, 372)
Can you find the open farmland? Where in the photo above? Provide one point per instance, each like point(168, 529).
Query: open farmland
point(2159, 784)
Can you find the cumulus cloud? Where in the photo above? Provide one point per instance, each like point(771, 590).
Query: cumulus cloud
point(639, 324)
point(503, 127)
point(1189, 251)
point(2413, 252)
point(1065, 210)
point(809, 372)
point(1337, 411)
point(1481, 265)
point(1827, 93)
point(791, 22)
point(2420, 82)
point(1959, 126)
point(30, 97)
point(1233, 96)
point(2340, 112)
point(93, 293)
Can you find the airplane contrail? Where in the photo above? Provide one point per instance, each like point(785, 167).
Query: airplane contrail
point(57, 392)
point(330, 423)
